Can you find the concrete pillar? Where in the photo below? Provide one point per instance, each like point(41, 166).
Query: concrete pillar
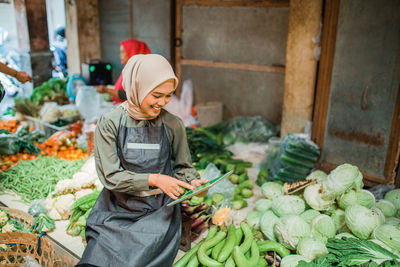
point(301, 65)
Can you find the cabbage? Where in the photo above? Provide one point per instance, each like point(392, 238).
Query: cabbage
point(309, 215)
point(361, 220)
point(290, 229)
point(323, 227)
point(271, 190)
point(253, 219)
point(388, 234)
point(339, 181)
point(347, 199)
point(293, 260)
point(358, 182)
point(341, 235)
point(386, 207)
point(286, 205)
point(313, 197)
point(394, 197)
point(365, 198)
point(381, 215)
point(392, 221)
point(311, 248)
point(317, 175)
point(338, 218)
point(267, 224)
point(263, 205)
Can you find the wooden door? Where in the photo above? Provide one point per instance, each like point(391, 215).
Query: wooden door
point(356, 115)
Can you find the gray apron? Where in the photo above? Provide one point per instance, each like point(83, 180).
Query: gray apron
point(126, 230)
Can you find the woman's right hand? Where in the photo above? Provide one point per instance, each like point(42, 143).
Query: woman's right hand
point(169, 185)
point(101, 89)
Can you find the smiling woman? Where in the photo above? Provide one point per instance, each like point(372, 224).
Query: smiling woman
point(143, 160)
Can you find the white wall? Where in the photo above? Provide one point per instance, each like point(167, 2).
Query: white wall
point(55, 16)
point(7, 22)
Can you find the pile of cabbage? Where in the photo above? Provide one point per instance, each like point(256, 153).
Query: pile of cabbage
point(336, 206)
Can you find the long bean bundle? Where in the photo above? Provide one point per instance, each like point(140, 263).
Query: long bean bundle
point(35, 179)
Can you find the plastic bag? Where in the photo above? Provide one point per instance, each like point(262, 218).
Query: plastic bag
point(379, 191)
point(296, 158)
point(224, 187)
point(50, 112)
point(248, 129)
point(88, 103)
point(30, 262)
point(37, 207)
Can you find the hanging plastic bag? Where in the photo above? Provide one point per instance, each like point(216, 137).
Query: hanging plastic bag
point(224, 187)
point(88, 103)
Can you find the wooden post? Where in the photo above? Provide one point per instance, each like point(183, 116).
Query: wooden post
point(301, 65)
point(82, 32)
point(31, 19)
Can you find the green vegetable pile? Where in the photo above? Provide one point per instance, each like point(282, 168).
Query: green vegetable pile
point(334, 222)
point(81, 208)
point(53, 90)
point(231, 247)
point(206, 147)
point(35, 179)
point(21, 140)
point(354, 252)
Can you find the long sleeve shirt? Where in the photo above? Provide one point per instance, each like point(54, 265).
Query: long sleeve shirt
point(113, 176)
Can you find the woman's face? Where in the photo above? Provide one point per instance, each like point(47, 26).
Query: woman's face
point(158, 98)
point(123, 55)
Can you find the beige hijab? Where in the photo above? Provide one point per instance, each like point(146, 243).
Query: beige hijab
point(141, 74)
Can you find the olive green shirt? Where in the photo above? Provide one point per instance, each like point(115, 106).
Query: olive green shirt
point(113, 176)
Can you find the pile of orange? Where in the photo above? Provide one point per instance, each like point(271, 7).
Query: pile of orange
point(7, 161)
point(11, 125)
point(63, 145)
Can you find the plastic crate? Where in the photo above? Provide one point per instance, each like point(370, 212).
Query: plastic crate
point(44, 126)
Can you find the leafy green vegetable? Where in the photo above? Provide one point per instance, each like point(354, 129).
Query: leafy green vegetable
point(351, 251)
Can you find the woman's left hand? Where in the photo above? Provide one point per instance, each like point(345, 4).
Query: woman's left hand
point(198, 182)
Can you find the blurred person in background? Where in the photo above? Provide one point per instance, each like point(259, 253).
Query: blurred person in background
point(128, 48)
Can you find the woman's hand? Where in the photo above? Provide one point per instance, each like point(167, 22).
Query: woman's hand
point(169, 185)
point(198, 182)
point(101, 89)
point(23, 77)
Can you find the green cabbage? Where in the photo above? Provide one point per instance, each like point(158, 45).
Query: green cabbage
point(392, 221)
point(309, 215)
point(389, 235)
point(311, 248)
point(263, 205)
point(313, 197)
point(253, 219)
point(290, 229)
point(361, 220)
point(293, 260)
point(358, 182)
point(382, 217)
point(394, 197)
point(347, 199)
point(317, 175)
point(339, 181)
point(267, 224)
point(286, 205)
point(386, 207)
point(338, 218)
point(271, 190)
point(323, 227)
point(365, 198)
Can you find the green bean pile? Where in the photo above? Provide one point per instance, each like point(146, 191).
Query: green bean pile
point(35, 179)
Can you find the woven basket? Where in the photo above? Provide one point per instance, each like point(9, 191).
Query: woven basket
point(20, 216)
point(20, 245)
